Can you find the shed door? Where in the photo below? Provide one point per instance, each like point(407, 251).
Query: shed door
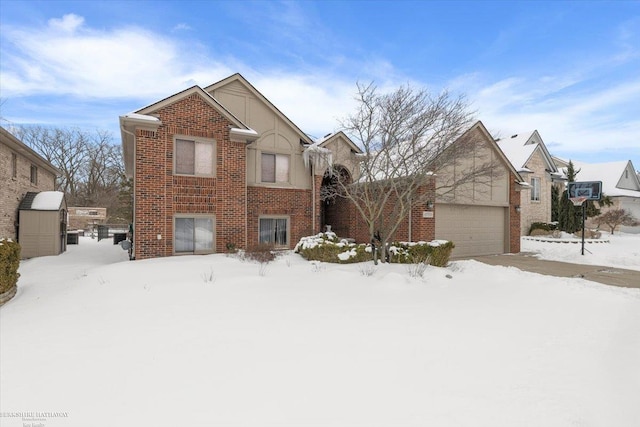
point(475, 230)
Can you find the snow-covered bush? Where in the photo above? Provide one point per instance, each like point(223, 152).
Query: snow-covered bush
point(328, 247)
point(9, 263)
point(435, 252)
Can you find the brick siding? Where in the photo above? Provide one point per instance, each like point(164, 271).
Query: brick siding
point(12, 190)
point(346, 221)
point(514, 217)
point(159, 194)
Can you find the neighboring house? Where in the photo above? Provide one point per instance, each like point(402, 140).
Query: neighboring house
point(620, 182)
point(530, 157)
point(86, 218)
point(221, 168)
point(21, 170)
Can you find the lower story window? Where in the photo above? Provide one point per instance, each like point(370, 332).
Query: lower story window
point(194, 235)
point(274, 231)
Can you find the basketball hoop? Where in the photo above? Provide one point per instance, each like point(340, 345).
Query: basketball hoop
point(577, 201)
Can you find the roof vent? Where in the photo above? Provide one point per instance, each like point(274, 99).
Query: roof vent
point(513, 136)
point(329, 134)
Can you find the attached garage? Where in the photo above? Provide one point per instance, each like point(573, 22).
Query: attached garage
point(475, 230)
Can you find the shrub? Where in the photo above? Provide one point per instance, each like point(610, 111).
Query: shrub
point(9, 263)
point(262, 253)
point(327, 247)
point(436, 252)
point(546, 226)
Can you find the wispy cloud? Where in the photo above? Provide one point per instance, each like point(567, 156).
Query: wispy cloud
point(69, 58)
point(182, 27)
point(124, 68)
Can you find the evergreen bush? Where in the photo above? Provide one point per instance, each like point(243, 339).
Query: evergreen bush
point(545, 226)
point(9, 263)
point(327, 247)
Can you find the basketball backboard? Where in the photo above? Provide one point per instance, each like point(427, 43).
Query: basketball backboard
point(592, 190)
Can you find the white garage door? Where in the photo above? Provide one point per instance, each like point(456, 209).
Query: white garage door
point(475, 230)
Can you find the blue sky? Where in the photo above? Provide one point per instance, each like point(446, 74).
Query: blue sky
point(571, 70)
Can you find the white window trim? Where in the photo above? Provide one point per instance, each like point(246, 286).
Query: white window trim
point(200, 140)
point(188, 215)
point(288, 218)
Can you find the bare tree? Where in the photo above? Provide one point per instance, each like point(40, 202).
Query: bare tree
point(91, 166)
point(407, 137)
point(615, 217)
point(66, 149)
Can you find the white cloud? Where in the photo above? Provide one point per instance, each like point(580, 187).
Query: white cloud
point(578, 115)
point(66, 58)
point(68, 24)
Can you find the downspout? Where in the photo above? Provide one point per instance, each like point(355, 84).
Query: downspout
point(313, 200)
point(133, 204)
point(410, 230)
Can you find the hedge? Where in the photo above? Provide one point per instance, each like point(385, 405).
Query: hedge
point(546, 226)
point(436, 252)
point(9, 263)
point(327, 247)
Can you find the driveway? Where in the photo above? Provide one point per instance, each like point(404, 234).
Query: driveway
point(596, 273)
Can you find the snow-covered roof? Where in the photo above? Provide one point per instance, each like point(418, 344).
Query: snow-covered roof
point(47, 201)
point(318, 156)
point(516, 149)
point(520, 147)
point(610, 173)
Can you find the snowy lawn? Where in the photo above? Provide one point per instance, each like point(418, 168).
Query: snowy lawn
point(623, 251)
point(207, 340)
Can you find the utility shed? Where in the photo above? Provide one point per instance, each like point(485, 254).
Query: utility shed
point(42, 227)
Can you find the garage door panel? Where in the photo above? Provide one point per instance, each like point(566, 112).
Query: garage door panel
point(475, 230)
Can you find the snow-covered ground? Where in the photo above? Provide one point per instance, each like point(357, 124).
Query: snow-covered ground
point(622, 251)
point(208, 340)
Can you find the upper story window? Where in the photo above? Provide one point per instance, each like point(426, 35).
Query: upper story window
point(194, 157)
point(535, 189)
point(34, 175)
point(275, 167)
point(14, 165)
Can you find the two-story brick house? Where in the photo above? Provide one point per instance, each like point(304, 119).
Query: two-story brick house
point(22, 170)
point(221, 167)
point(217, 168)
point(530, 157)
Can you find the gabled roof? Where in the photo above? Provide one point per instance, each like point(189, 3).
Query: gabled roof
point(520, 147)
point(327, 139)
point(612, 175)
point(237, 77)
point(480, 126)
point(143, 118)
point(188, 92)
point(23, 149)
